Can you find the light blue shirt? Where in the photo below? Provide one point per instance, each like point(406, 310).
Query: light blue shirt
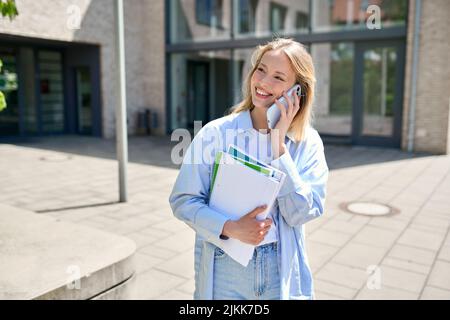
point(300, 200)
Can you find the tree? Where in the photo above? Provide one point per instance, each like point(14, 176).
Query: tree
point(7, 9)
point(2, 96)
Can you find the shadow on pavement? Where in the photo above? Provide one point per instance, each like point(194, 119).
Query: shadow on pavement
point(156, 151)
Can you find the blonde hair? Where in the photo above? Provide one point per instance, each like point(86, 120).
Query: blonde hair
point(303, 67)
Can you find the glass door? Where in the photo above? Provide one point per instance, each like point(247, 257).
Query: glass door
point(28, 91)
point(51, 91)
point(83, 100)
point(378, 94)
point(198, 92)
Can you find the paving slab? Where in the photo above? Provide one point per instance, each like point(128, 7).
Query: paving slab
point(410, 248)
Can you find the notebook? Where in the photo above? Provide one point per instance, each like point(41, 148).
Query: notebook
point(239, 185)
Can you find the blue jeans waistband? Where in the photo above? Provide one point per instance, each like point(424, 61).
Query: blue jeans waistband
point(268, 246)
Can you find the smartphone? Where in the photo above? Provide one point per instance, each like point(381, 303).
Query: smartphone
point(273, 113)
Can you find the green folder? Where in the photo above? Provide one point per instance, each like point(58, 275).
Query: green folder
point(256, 167)
point(215, 167)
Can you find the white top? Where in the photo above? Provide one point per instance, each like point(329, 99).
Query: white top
point(261, 149)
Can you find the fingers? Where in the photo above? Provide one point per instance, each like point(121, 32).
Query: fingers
point(262, 234)
point(296, 104)
point(264, 226)
point(265, 229)
point(290, 104)
point(266, 223)
point(256, 211)
point(261, 231)
point(256, 230)
point(281, 108)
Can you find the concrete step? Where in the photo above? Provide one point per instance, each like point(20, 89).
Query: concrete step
point(44, 258)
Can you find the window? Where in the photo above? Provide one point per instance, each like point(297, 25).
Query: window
point(200, 87)
point(247, 16)
point(209, 12)
point(277, 17)
point(334, 71)
point(200, 20)
point(301, 21)
point(331, 15)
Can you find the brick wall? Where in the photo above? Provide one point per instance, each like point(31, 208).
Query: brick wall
point(432, 129)
point(144, 40)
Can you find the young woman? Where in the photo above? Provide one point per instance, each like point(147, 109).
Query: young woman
point(279, 268)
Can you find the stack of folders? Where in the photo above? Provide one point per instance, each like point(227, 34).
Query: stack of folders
point(240, 183)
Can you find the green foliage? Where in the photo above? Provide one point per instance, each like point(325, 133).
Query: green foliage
point(395, 10)
point(2, 96)
point(2, 101)
point(8, 9)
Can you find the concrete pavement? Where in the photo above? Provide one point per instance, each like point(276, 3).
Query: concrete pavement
point(400, 256)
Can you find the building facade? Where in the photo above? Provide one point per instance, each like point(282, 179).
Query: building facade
point(62, 55)
point(186, 61)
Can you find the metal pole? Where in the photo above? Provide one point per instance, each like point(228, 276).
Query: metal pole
point(121, 107)
point(383, 81)
point(415, 58)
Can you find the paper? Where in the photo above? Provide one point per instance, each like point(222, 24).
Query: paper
point(236, 190)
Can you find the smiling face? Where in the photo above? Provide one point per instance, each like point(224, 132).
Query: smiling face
point(272, 76)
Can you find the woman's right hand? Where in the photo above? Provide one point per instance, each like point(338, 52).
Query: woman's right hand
point(248, 229)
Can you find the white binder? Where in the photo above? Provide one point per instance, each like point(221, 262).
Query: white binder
point(238, 189)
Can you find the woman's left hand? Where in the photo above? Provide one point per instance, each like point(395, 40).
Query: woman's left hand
point(281, 128)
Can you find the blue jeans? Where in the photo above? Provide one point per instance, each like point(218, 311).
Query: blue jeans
point(260, 280)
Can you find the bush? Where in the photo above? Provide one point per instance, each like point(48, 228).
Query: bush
point(7, 9)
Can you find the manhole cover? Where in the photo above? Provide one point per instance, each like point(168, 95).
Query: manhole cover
point(55, 157)
point(369, 208)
